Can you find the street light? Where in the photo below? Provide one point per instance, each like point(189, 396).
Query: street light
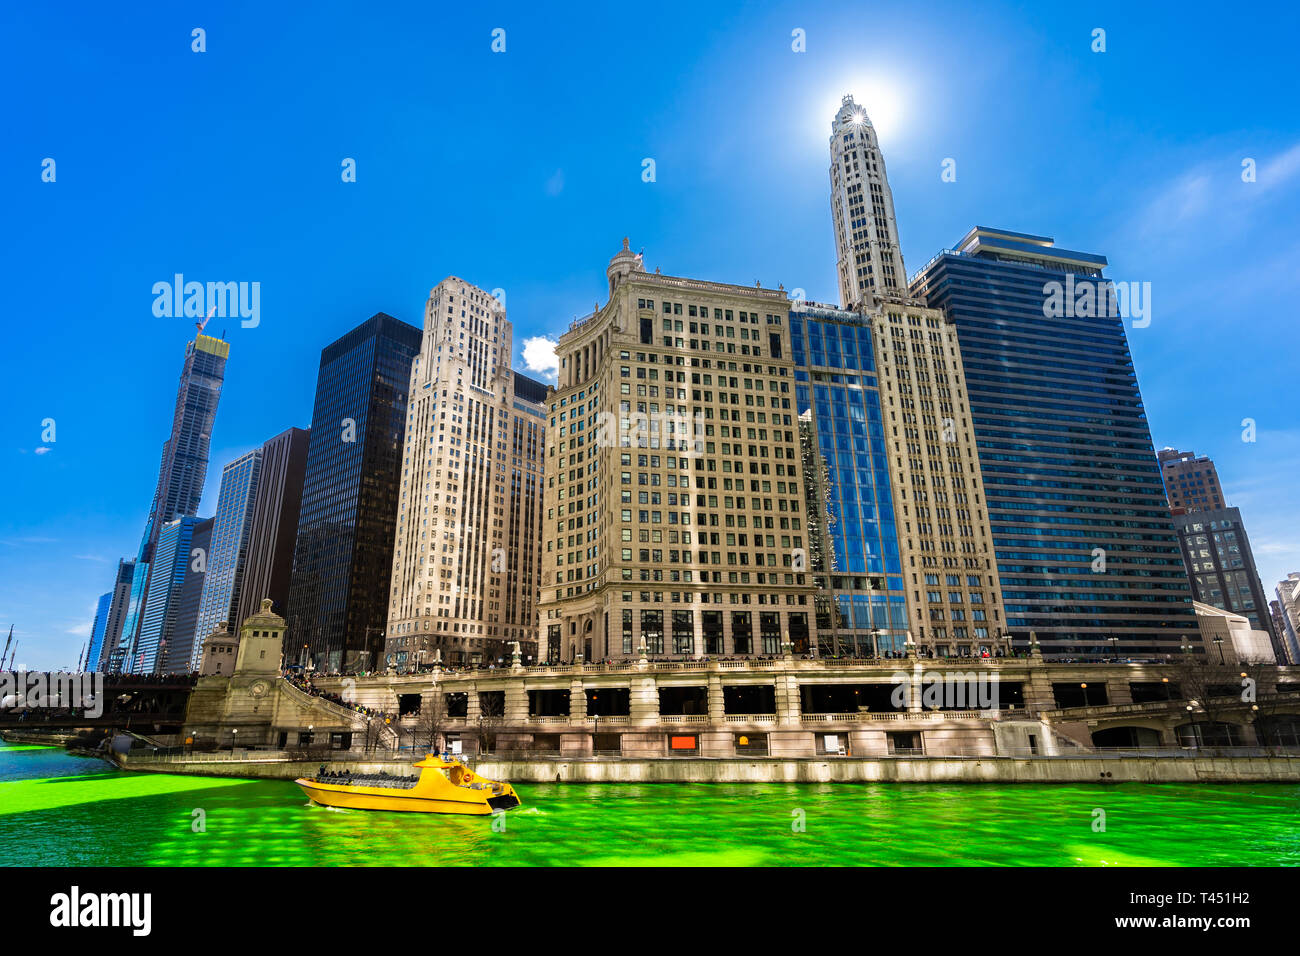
point(1218, 641)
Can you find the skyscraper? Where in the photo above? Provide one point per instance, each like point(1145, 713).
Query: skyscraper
point(1288, 607)
point(180, 476)
point(228, 551)
point(343, 555)
point(116, 614)
point(1216, 550)
point(869, 259)
point(674, 509)
point(1086, 548)
point(467, 546)
point(1221, 566)
point(853, 553)
point(171, 564)
point(98, 629)
point(948, 573)
point(274, 525)
point(1191, 482)
point(179, 651)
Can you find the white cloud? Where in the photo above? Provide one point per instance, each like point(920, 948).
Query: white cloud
point(43, 450)
point(539, 356)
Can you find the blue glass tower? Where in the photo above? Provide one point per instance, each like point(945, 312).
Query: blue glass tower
point(861, 608)
point(98, 629)
point(1086, 548)
point(170, 565)
point(228, 549)
point(180, 477)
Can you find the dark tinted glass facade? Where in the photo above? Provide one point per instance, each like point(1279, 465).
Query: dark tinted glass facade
point(853, 546)
point(1085, 544)
point(338, 596)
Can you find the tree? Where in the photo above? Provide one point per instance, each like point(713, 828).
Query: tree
point(429, 722)
point(492, 711)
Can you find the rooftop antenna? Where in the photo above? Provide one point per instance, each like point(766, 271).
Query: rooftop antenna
point(6, 650)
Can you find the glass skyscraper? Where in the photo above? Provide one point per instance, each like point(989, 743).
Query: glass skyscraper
point(342, 565)
point(228, 549)
point(1085, 544)
point(180, 477)
point(171, 563)
point(180, 647)
point(98, 630)
point(853, 555)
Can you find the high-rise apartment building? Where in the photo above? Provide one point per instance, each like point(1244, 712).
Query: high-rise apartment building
point(467, 547)
point(172, 559)
point(674, 506)
point(274, 525)
point(180, 476)
point(1220, 564)
point(343, 555)
point(1086, 549)
point(180, 648)
point(948, 573)
point(228, 551)
point(116, 614)
point(869, 259)
point(1191, 483)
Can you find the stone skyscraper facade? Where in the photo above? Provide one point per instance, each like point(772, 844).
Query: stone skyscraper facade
point(674, 508)
point(465, 566)
point(869, 259)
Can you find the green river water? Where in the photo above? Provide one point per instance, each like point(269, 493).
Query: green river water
point(66, 811)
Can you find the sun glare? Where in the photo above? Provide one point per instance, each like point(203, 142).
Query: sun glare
point(882, 102)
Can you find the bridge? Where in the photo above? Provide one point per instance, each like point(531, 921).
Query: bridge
point(139, 702)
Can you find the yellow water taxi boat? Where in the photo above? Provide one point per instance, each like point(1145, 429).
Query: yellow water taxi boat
point(444, 785)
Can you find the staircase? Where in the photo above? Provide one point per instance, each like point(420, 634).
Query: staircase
point(387, 734)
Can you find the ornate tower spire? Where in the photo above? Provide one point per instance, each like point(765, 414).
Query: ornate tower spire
point(869, 260)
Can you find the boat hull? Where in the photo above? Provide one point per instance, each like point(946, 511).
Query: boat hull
point(458, 800)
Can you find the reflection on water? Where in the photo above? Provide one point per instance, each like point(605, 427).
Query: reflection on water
point(56, 809)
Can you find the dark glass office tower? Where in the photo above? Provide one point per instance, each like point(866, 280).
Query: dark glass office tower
point(343, 557)
point(1085, 545)
point(180, 476)
point(861, 605)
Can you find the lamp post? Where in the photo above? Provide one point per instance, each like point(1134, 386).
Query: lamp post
point(1114, 647)
point(1218, 642)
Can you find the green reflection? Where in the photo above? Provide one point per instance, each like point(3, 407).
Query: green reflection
point(106, 817)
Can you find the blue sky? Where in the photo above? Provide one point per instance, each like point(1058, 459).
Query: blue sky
point(522, 170)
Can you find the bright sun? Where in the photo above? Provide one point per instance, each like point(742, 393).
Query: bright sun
point(882, 100)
